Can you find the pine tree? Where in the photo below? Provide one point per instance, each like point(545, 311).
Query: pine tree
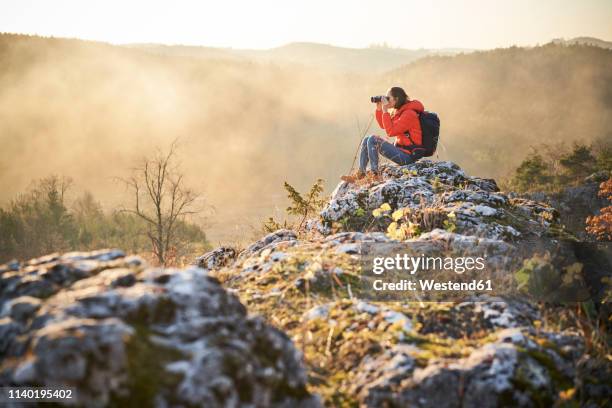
point(304, 206)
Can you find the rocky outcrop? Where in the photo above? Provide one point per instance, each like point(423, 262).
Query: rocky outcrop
point(510, 369)
point(484, 352)
point(436, 190)
point(124, 334)
point(216, 258)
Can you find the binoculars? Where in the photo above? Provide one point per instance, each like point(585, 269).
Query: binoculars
point(379, 98)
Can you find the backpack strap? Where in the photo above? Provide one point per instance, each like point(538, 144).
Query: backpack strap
point(407, 134)
point(413, 145)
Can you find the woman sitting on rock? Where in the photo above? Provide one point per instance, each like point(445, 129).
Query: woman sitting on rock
point(403, 125)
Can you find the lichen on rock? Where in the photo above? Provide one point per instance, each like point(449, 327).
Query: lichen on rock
point(285, 322)
point(125, 334)
point(477, 205)
point(486, 351)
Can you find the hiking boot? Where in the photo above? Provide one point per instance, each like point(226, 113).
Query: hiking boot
point(375, 175)
point(353, 177)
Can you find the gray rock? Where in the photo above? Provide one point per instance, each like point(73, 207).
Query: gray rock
point(439, 188)
point(486, 378)
point(21, 308)
point(216, 258)
point(131, 336)
point(317, 312)
point(269, 241)
point(10, 266)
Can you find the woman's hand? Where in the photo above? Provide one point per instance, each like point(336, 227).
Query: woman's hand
point(387, 105)
point(379, 106)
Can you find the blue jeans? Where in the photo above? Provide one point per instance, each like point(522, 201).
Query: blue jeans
point(371, 145)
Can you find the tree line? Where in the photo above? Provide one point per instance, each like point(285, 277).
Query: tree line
point(155, 222)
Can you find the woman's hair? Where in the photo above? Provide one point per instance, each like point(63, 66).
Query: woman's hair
point(399, 94)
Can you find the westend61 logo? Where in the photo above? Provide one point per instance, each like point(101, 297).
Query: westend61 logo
point(439, 271)
point(400, 271)
point(404, 263)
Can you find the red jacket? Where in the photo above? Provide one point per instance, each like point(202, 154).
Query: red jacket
point(405, 119)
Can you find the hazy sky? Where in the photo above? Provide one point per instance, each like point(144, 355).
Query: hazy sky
point(351, 23)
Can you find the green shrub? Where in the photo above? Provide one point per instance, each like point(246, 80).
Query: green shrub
point(578, 163)
point(300, 207)
point(532, 172)
point(553, 168)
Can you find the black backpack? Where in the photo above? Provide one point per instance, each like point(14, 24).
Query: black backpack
point(430, 129)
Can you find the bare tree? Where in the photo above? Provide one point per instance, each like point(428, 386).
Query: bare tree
point(160, 198)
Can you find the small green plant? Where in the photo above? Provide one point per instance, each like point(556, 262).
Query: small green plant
point(271, 225)
point(450, 224)
point(537, 277)
point(544, 278)
point(344, 222)
point(302, 206)
point(436, 184)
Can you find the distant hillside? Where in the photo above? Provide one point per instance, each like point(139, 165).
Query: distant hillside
point(358, 60)
point(89, 110)
point(585, 41)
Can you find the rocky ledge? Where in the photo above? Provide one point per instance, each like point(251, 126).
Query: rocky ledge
point(485, 352)
point(123, 334)
point(434, 195)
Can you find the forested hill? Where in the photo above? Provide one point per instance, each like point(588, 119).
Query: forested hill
point(74, 107)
